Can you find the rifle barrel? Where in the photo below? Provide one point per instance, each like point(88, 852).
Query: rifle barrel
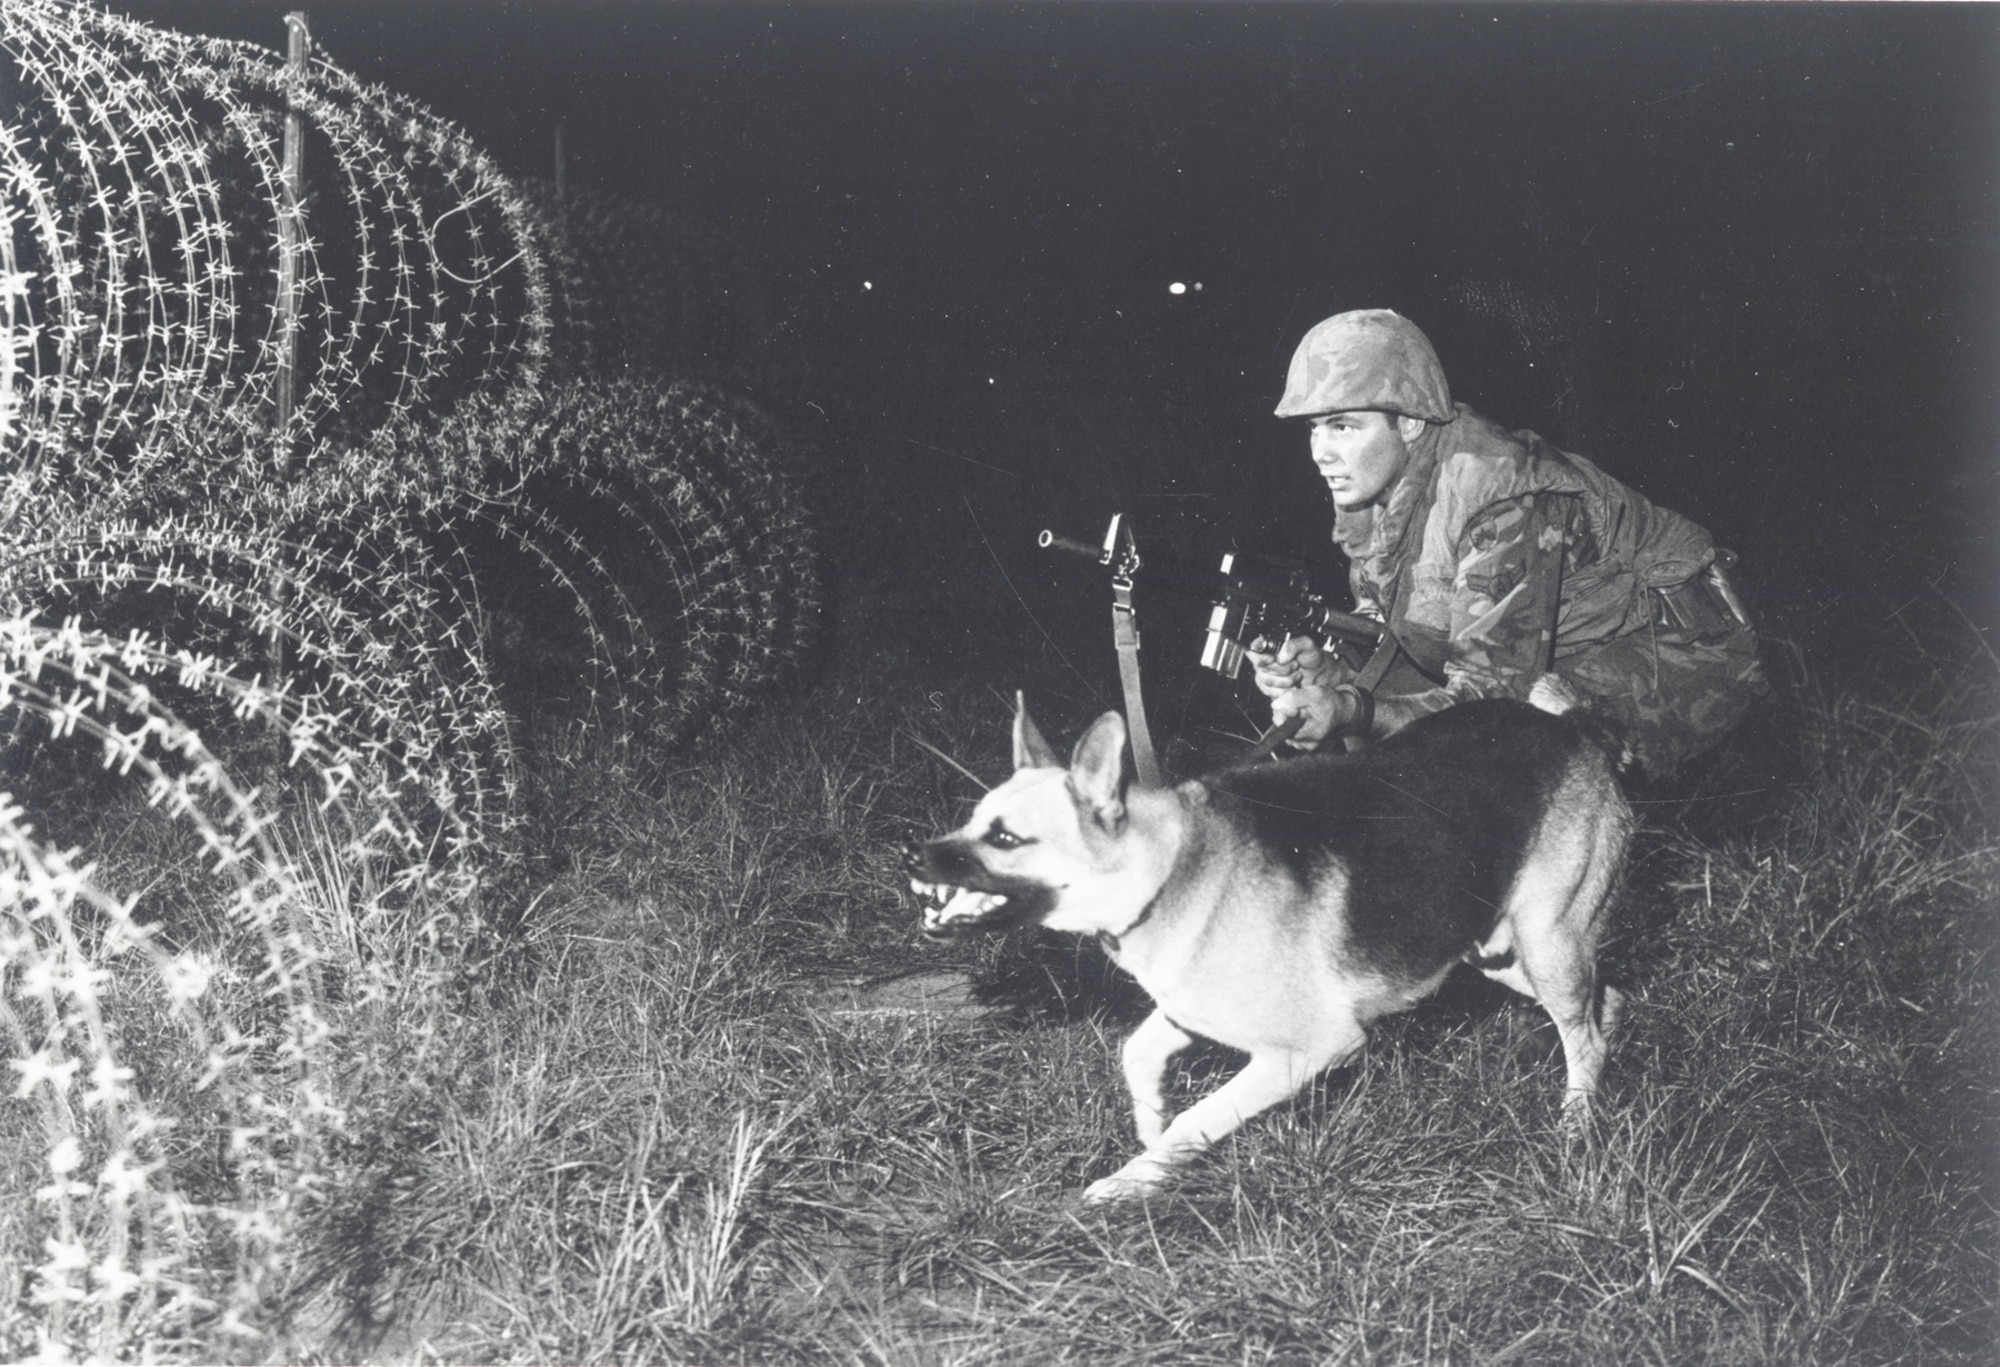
point(1347, 624)
point(1049, 540)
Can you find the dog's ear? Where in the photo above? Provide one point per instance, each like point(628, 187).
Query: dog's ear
point(1097, 770)
point(1030, 750)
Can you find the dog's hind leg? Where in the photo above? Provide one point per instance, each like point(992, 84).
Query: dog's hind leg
point(1147, 1053)
point(1584, 1012)
point(1555, 916)
point(1269, 1077)
point(1580, 1021)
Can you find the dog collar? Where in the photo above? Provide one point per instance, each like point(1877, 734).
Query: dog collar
point(1109, 942)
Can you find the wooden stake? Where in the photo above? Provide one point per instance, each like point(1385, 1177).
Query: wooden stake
point(290, 232)
point(291, 245)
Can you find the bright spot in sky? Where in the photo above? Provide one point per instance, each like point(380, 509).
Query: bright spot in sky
point(867, 284)
point(1178, 288)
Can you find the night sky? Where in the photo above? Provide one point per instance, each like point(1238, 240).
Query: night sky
point(1742, 256)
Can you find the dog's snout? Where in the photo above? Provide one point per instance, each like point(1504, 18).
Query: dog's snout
point(944, 860)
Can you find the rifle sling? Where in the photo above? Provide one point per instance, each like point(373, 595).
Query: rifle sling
point(1387, 651)
point(1380, 663)
point(1125, 634)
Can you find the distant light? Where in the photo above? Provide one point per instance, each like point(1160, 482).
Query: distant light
point(867, 284)
point(1177, 288)
point(989, 379)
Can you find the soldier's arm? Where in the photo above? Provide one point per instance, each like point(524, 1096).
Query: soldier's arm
point(1505, 596)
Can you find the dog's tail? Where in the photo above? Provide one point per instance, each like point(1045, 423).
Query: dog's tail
point(1557, 695)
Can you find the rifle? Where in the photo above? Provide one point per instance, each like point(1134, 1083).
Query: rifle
point(1271, 600)
point(1258, 597)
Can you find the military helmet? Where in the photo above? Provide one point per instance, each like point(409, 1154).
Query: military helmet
point(1369, 358)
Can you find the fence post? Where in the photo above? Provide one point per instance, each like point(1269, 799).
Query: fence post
point(297, 48)
point(291, 245)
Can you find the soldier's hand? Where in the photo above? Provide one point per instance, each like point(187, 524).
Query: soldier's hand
point(1298, 663)
point(1300, 679)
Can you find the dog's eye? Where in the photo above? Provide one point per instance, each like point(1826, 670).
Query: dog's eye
point(1000, 838)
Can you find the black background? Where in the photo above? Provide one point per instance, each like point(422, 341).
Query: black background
point(1742, 255)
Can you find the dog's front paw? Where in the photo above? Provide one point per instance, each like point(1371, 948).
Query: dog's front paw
point(1138, 1179)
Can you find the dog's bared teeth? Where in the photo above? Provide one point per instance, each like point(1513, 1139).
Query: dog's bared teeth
point(934, 895)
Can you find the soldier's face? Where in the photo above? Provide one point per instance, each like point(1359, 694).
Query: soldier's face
point(1360, 455)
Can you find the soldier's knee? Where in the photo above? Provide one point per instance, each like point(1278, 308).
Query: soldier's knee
point(1674, 699)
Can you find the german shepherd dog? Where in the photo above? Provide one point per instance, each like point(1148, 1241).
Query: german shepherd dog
point(1279, 907)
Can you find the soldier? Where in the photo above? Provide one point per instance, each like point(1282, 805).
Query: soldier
point(1495, 558)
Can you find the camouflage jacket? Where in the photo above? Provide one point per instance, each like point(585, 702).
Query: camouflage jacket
point(1497, 555)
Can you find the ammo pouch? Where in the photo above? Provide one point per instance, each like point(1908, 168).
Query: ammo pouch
point(1704, 608)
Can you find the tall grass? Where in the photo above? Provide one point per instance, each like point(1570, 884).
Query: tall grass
point(666, 1135)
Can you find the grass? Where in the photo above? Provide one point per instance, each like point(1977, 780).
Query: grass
point(647, 1132)
point(639, 1119)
